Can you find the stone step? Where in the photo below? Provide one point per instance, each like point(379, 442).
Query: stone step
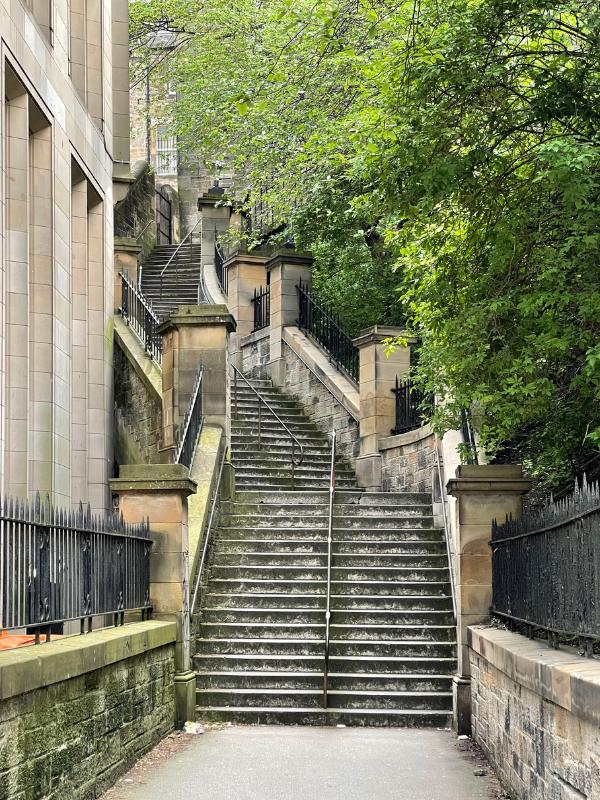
point(318, 572)
point(298, 484)
point(271, 533)
point(277, 469)
point(252, 679)
point(392, 665)
point(340, 647)
point(311, 586)
point(319, 507)
point(339, 681)
point(313, 697)
point(387, 718)
point(258, 662)
point(343, 602)
point(350, 617)
point(345, 523)
point(341, 549)
point(268, 630)
point(273, 558)
point(427, 632)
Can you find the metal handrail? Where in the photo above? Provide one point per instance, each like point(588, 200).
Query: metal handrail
point(207, 535)
point(179, 246)
point(446, 527)
point(181, 437)
point(295, 440)
point(329, 556)
point(139, 236)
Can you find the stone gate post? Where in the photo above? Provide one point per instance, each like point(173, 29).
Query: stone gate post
point(483, 493)
point(159, 493)
point(286, 269)
point(192, 335)
point(377, 378)
point(245, 273)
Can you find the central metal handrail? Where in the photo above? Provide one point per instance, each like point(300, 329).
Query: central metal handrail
point(446, 527)
point(261, 400)
point(179, 246)
point(207, 534)
point(329, 558)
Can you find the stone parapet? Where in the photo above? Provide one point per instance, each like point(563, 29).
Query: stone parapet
point(77, 713)
point(536, 715)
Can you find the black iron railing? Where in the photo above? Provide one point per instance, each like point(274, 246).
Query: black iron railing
point(546, 571)
point(189, 432)
point(261, 303)
point(413, 408)
point(164, 221)
point(138, 314)
point(219, 269)
point(59, 565)
point(324, 326)
point(469, 445)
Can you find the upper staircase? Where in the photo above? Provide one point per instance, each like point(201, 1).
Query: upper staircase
point(181, 283)
point(260, 649)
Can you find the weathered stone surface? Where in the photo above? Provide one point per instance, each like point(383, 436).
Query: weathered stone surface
point(138, 412)
point(408, 461)
point(322, 407)
point(530, 717)
point(73, 738)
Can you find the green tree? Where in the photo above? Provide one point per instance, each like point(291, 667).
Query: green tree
point(443, 163)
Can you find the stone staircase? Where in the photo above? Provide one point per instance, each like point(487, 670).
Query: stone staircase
point(180, 284)
point(260, 646)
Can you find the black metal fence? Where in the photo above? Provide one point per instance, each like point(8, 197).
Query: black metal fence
point(546, 570)
point(261, 303)
point(164, 218)
point(319, 322)
point(140, 317)
point(189, 432)
point(61, 565)
point(413, 408)
point(219, 269)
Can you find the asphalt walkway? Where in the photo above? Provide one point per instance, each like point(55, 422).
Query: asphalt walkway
point(303, 763)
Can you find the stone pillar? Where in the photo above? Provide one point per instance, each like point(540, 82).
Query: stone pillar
point(246, 272)
point(215, 221)
point(483, 493)
point(194, 335)
point(160, 494)
point(377, 378)
point(127, 253)
point(286, 269)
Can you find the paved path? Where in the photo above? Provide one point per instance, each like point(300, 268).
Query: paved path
point(303, 763)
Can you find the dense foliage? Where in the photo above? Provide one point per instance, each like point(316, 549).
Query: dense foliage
point(443, 163)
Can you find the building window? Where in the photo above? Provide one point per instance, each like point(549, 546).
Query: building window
point(166, 153)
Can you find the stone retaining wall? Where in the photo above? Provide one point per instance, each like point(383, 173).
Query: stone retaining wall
point(256, 353)
point(536, 714)
point(323, 408)
point(138, 414)
point(77, 713)
point(408, 461)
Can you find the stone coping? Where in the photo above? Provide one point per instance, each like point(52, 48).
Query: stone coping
point(207, 314)
point(568, 680)
point(147, 369)
point(403, 439)
point(37, 666)
point(153, 477)
point(255, 336)
point(314, 359)
point(496, 478)
point(378, 333)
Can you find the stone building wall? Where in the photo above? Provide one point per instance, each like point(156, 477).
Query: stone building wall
point(536, 714)
point(408, 461)
point(138, 415)
point(71, 737)
point(320, 404)
point(64, 136)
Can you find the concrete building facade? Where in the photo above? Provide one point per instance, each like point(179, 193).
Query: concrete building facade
point(64, 162)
